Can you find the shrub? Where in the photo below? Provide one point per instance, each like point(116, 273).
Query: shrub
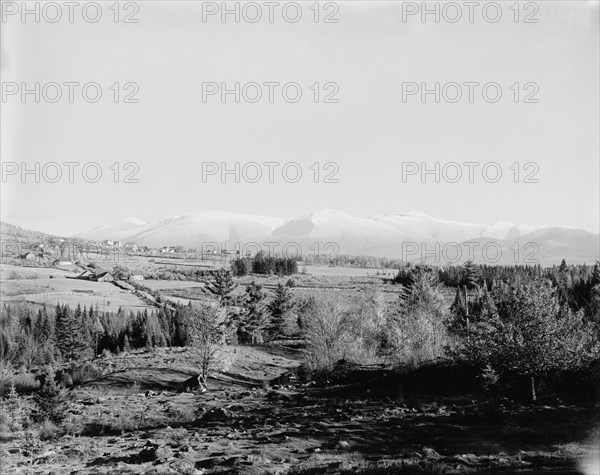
point(48, 430)
point(327, 336)
point(88, 372)
point(31, 445)
point(416, 327)
point(25, 383)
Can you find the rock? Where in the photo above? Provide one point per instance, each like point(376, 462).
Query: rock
point(430, 453)
point(183, 466)
point(154, 453)
point(164, 453)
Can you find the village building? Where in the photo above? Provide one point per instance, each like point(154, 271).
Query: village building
point(104, 277)
point(28, 256)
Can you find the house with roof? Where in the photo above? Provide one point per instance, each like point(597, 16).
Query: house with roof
point(27, 256)
point(136, 275)
point(96, 276)
point(104, 277)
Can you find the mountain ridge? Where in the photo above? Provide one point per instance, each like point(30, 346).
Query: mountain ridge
point(381, 235)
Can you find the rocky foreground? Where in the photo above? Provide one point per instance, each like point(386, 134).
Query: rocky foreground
point(258, 417)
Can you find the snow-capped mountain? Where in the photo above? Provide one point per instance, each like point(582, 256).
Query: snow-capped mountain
point(385, 235)
point(118, 230)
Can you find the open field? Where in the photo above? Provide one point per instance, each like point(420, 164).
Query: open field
point(170, 284)
point(348, 271)
point(48, 286)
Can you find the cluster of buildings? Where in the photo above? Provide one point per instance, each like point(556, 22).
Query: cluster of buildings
point(99, 275)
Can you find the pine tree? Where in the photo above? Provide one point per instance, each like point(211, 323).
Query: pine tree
point(48, 399)
point(280, 307)
point(69, 332)
point(470, 278)
point(126, 344)
point(257, 314)
point(14, 409)
point(526, 333)
point(223, 286)
point(595, 275)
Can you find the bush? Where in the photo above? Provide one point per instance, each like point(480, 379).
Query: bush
point(48, 430)
point(31, 445)
point(25, 383)
point(328, 338)
point(88, 372)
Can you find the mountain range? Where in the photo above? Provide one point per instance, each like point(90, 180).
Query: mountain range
point(412, 236)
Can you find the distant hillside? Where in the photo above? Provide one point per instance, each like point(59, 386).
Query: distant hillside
point(10, 232)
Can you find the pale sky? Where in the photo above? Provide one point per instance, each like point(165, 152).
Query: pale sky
point(369, 133)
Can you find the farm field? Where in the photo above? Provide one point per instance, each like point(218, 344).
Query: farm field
point(47, 286)
point(170, 284)
point(348, 271)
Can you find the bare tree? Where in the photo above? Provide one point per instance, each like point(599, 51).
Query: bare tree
point(208, 330)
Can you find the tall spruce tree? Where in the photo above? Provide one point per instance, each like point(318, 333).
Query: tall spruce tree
point(69, 333)
point(223, 287)
point(280, 308)
point(257, 315)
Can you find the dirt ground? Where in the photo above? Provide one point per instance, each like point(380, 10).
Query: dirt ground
point(259, 417)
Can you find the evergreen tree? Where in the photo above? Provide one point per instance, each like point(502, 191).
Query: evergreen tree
point(69, 333)
point(470, 276)
point(527, 334)
point(595, 280)
point(257, 314)
point(280, 308)
point(223, 286)
point(48, 399)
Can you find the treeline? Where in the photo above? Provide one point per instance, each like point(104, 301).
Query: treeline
point(575, 284)
point(63, 334)
point(264, 264)
point(343, 260)
point(511, 331)
point(194, 274)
